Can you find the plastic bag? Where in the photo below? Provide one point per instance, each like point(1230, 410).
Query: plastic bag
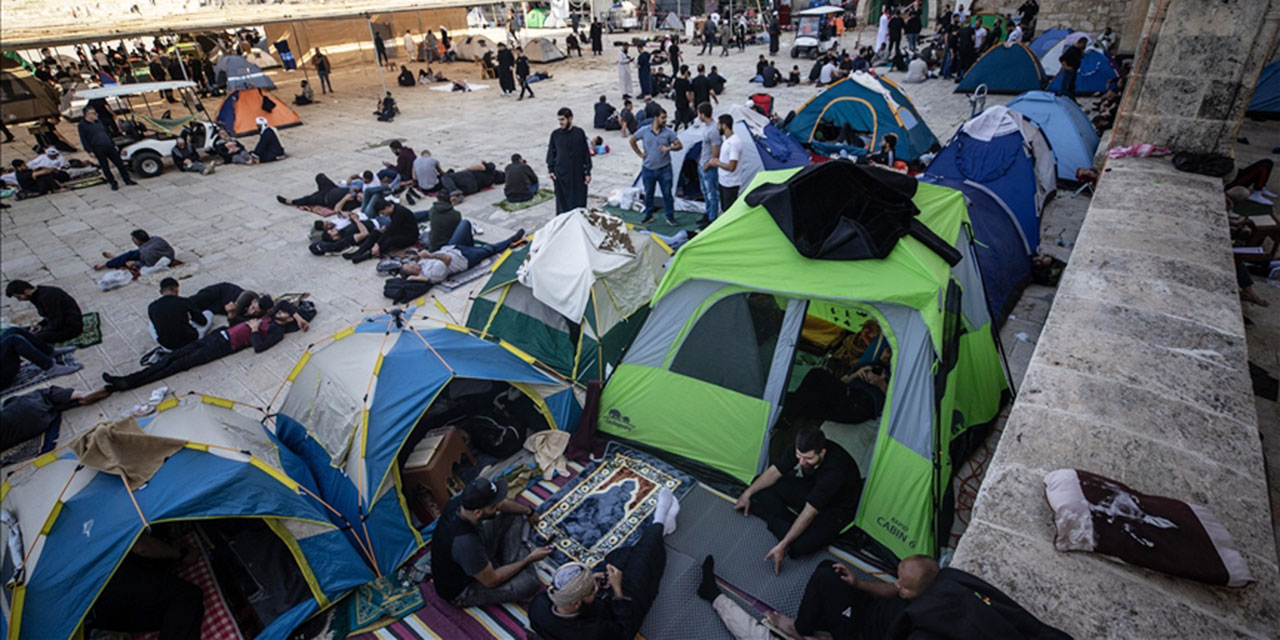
point(115, 279)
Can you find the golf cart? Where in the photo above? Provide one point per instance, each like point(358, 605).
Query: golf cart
point(814, 34)
point(622, 17)
point(148, 139)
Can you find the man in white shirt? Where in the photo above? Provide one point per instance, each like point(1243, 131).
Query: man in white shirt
point(459, 255)
point(410, 46)
point(729, 163)
point(1015, 35)
point(979, 35)
point(828, 72)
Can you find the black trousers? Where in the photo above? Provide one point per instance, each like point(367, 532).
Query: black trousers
point(140, 598)
point(524, 86)
point(108, 157)
point(323, 186)
point(642, 566)
point(824, 396)
point(826, 601)
point(1254, 176)
point(189, 356)
point(728, 195)
point(779, 505)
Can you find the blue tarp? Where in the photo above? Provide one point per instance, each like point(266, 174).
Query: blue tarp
point(1006, 68)
point(98, 526)
point(1266, 96)
point(1003, 167)
point(1065, 125)
point(866, 111)
point(1045, 41)
point(1097, 71)
point(416, 368)
point(1004, 256)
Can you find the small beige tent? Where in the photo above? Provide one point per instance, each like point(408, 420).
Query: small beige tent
point(543, 50)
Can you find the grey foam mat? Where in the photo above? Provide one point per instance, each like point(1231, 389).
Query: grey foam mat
point(678, 613)
point(709, 525)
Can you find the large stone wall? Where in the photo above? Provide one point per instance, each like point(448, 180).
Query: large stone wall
point(1196, 75)
point(1140, 375)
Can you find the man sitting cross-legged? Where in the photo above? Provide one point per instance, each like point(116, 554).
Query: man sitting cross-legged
point(584, 605)
point(820, 481)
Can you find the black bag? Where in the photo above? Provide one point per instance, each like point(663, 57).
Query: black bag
point(268, 104)
point(401, 290)
point(307, 309)
point(493, 439)
point(1209, 164)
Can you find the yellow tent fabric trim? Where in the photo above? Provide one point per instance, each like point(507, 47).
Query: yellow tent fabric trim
point(456, 327)
point(307, 573)
point(875, 122)
point(217, 402)
point(198, 446)
point(48, 522)
point(404, 509)
point(440, 306)
point(15, 610)
point(502, 299)
point(501, 259)
point(297, 368)
point(4, 490)
point(166, 405)
point(538, 401)
point(377, 365)
point(344, 333)
point(275, 473)
point(662, 244)
point(517, 351)
point(46, 459)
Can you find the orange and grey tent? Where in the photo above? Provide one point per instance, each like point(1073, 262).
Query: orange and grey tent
point(242, 108)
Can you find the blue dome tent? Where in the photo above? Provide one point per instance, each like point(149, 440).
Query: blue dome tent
point(1065, 125)
point(1266, 96)
point(1097, 71)
point(229, 479)
point(868, 106)
point(358, 405)
point(1006, 153)
point(1046, 40)
point(1004, 255)
point(1006, 68)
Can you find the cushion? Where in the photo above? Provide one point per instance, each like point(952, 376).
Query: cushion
point(1094, 513)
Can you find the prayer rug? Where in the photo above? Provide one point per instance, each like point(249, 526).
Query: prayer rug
point(447, 87)
point(218, 623)
point(606, 506)
point(375, 605)
point(29, 375)
point(91, 335)
point(542, 196)
point(686, 220)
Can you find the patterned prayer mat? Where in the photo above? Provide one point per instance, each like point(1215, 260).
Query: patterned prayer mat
point(605, 507)
point(540, 197)
point(91, 335)
point(29, 375)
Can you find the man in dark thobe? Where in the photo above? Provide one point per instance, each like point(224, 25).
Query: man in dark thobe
point(569, 163)
point(506, 64)
point(597, 38)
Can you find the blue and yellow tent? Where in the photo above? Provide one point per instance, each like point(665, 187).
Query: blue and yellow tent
point(353, 405)
point(869, 105)
point(77, 524)
point(1006, 68)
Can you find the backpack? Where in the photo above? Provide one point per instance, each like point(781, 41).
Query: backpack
point(402, 291)
point(1209, 164)
point(389, 266)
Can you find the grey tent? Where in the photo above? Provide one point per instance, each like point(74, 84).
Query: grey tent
point(543, 50)
point(473, 47)
point(241, 74)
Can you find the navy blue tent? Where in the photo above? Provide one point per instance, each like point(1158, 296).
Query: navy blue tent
point(1004, 255)
point(1097, 72)
point(1266, 96)
point(1008, 155)
point(1006, 68)
point(1045, 41)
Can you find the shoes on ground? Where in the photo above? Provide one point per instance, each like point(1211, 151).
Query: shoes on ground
point(1257, 197)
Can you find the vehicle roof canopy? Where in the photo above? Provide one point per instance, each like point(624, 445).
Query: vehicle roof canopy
point(133, 89)
point(820, 11)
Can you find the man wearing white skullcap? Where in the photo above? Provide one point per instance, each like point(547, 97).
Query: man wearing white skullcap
point(269, 148)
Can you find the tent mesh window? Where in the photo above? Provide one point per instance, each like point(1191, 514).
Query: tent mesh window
point(12, 90)
point(732, 344)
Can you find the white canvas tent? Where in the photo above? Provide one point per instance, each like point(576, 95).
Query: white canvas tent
point(543, 50)
point(1049, 61)
point(473, 47)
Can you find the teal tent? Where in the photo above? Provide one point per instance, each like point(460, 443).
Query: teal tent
point(867, 106)
point(1005, 68)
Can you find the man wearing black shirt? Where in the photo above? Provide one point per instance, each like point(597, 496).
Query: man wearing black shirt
point(218, 299)
point(1071, 59)
point(60, 317)
point(478, 556)
point(717, 81)
point(400, 231)
point(95, 139)
point(684, 99)
point(964, 51)
point(702, 87)
point(825, 493)
point(770, 76)
point(327, 194)
point(522, 73)
point(896, 25)
point(471, 180)
point(176, 321)
point(569, 162)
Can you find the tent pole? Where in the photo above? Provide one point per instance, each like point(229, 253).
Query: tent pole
point(372, 38)
point(177, 51)
point(297, 42)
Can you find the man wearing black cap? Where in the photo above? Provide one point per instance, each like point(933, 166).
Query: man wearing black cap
point(478, 554)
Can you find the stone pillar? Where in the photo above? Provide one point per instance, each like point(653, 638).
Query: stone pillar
point(1195, 72)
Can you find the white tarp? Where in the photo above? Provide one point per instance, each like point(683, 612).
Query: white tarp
point(994, 122)
point(1050, 59)
point(570, 253)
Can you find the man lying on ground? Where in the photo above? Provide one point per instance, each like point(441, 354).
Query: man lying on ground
point(478, 553)
point(260, 333)
point(176, 321)
point(584, 605)
point(327, 194)
point(825, 495)
point(340, 233)
point(28, 415)
point(18, 344)
point(149, 253)
point(472, 180)
point(457, 256)
point(60, 316)
point(398, 231)
point(217, 298)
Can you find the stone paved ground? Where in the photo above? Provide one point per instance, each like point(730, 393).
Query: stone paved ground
point(228, 226)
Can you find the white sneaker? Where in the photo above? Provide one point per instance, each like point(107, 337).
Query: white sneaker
point(1257, 197)
point(158, 394)
point(161, 265)
point(1269, 193)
